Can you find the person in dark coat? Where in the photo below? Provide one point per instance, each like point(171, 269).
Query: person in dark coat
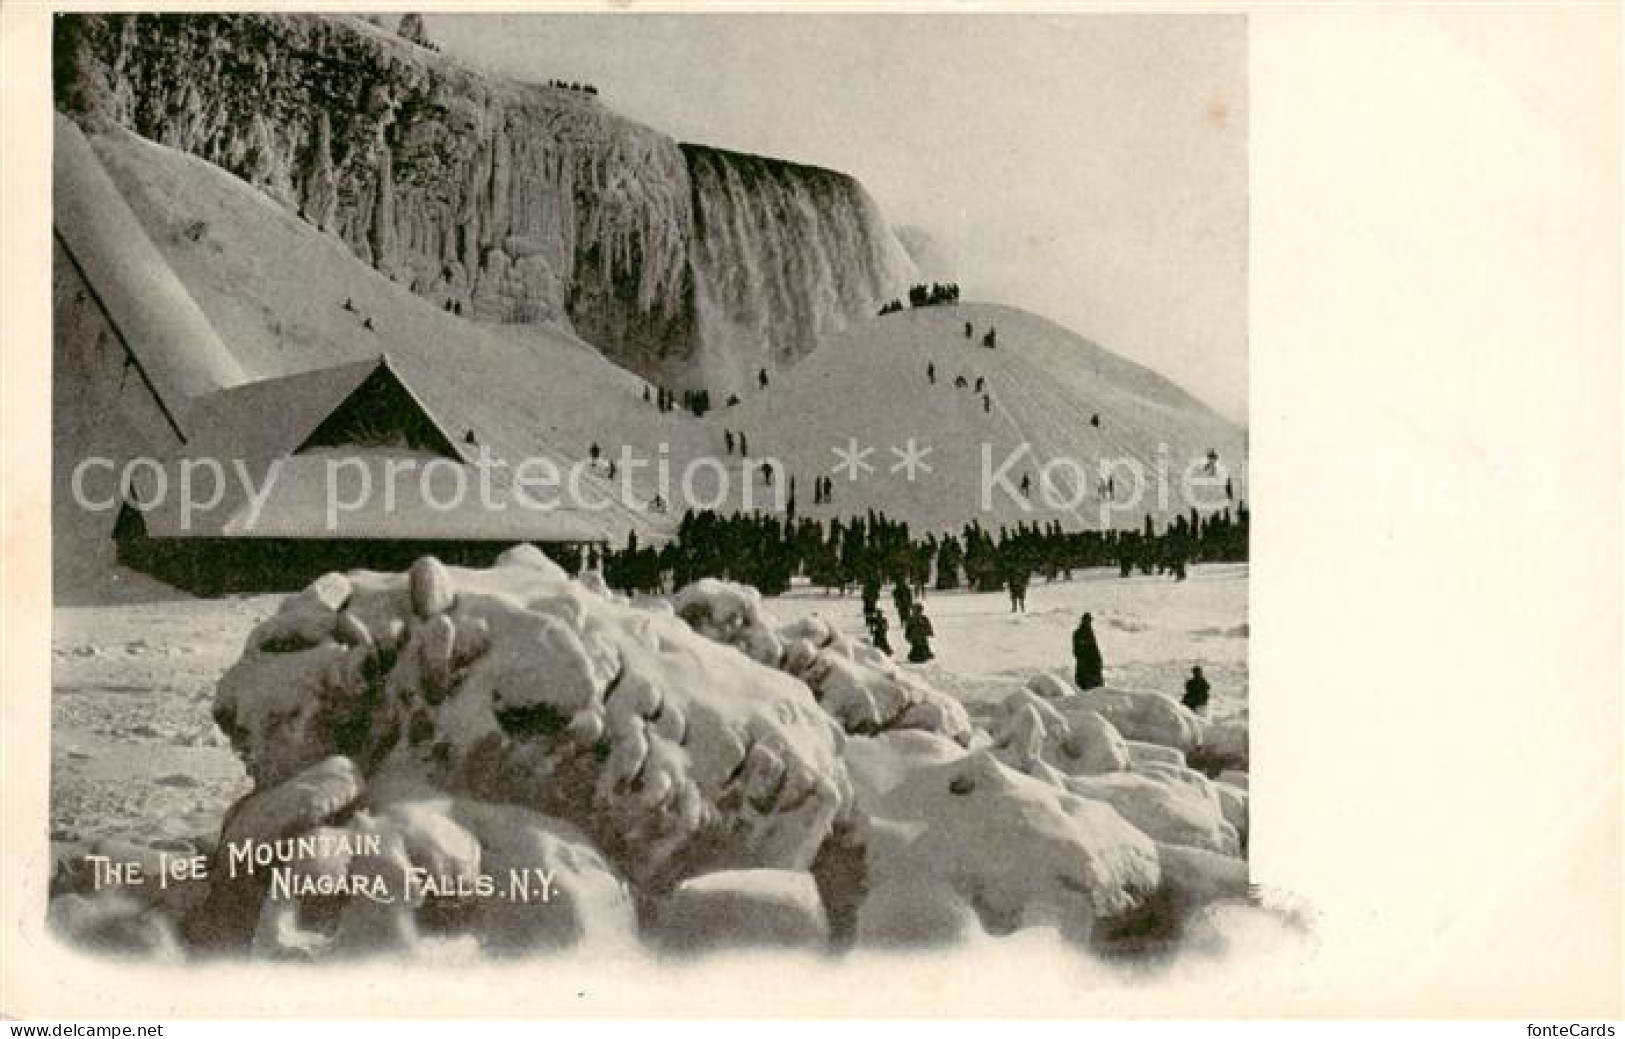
point(918, 631)
point(902, 596)
point(1018, 590)
point(871, 594)
point(1196, 690)
point(1086, 654)
point(878, 627)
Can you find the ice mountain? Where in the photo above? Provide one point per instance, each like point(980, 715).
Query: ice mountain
point(511, 202)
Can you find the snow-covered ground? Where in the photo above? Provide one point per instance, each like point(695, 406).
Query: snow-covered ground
point(136, 755)
point(1151, 631)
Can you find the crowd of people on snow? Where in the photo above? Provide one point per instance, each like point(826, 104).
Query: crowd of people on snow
point(696, 402)
point(869, 551)
point(580, 88)
point(923, 295)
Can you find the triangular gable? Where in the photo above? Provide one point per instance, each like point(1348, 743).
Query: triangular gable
point(270, 418)
point(382, 412)
point(357, 403)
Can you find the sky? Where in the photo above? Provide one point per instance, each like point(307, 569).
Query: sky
point(1091, 168)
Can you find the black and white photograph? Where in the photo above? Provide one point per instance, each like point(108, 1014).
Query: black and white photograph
point(544, 489)
point(488, 524)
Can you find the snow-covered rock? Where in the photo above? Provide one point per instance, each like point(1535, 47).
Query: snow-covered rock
point(1073, 740)
point(1051, 687)
point(572, 895)
point(1142, 753)
point(878, 764)
point(547, 723)
point(1225, 745)
point(741, 908)
point(1192, 876)
point(1233, 802)
point(858, 685)
point(1019, 851)
point(731, 613)
point(1169, 811)
point(1149, 717)
point(928, 914)
point(869, 694)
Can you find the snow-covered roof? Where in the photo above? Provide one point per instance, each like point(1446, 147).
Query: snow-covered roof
point(270, 418)
point(363, 494)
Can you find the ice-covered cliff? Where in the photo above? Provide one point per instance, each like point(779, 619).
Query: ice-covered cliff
point(783, 254)
point(507, 201)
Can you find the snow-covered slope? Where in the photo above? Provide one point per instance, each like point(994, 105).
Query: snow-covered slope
point(1044, 385)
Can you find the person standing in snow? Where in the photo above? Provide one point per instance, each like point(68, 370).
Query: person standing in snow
point(1196, 691)
point(878, 627)
point(918, 631)
point(931, 372)
point(1018, 590)
point(871, 594)
point(1086, 655)
point(902, 596)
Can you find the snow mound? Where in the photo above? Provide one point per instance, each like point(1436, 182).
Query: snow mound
point(879, 764)
point(1149, 717)
point(1167, 810)
point(1225, 745)
point(955, 826)
point(1072, 739)
point(513, 717)
point(857, 684)
point(742, 908)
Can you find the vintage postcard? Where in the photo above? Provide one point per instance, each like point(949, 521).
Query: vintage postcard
point(622, 497)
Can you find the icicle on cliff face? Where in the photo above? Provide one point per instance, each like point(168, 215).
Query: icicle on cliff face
point(501, 201)
point(782, 254)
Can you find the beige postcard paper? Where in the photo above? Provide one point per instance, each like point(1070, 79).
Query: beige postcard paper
point(909, 510)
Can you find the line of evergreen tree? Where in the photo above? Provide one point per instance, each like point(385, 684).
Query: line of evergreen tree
point(872, 550)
